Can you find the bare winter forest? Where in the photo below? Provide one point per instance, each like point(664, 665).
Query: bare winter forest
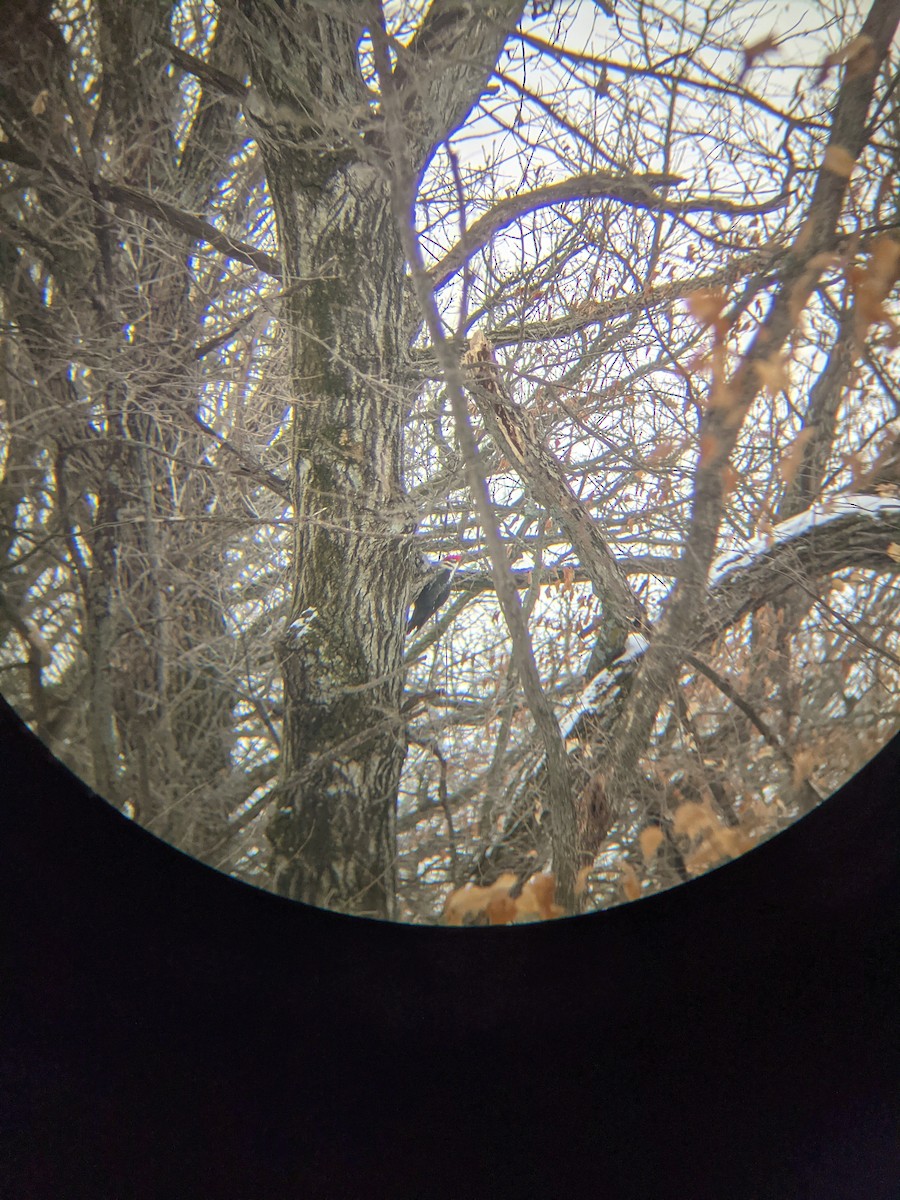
point(299, 297)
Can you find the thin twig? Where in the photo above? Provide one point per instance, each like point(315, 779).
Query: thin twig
point(402, 196)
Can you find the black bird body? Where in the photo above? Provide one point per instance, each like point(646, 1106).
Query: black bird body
point(435, 593)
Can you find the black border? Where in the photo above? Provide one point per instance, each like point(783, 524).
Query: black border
point(170, 1032)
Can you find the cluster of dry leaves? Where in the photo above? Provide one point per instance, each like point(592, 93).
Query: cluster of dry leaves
point(502, 904)
point(708, 839)
point(870, 272)
point(871, 286)
point(870, 283)
point(696, 825)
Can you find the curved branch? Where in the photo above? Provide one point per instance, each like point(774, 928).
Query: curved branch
point(207, 74)
point(633, 191)
point(513, 431)
point(518, 333)
point(838, 534)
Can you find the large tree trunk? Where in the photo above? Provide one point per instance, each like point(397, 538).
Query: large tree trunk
point(344, 740)
point(327, 170)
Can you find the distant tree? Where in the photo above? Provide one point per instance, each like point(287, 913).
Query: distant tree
point(299, 296)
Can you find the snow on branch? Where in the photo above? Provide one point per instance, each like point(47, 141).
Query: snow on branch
point(598, 688)
point(815, 517)
point(835, 534)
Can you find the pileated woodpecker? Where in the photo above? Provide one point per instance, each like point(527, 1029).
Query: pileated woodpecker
point(435, 593)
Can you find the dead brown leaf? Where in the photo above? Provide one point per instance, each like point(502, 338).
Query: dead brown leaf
point(693, 820)
point(857, 54)
point(774, 373)
point(839, 161)
point(730, 479)
point(472, 904)
point(650, 840)
point(719, 845)
point(871, 285)
point(706, 306)
point(710, 445)
point(629, 883)
point(473, 901)
point(804, 763)
point(757, 50)
point(537, 901)
point(501, 910)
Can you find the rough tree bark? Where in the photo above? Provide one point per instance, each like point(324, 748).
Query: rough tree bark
point(353, 565)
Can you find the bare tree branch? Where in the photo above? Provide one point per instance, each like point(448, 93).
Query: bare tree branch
point(636, 191)
point(207, 73)
point(118, 193)
point(514, 433)
point(730, 402)
point(441, 75)
point(402, 194)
